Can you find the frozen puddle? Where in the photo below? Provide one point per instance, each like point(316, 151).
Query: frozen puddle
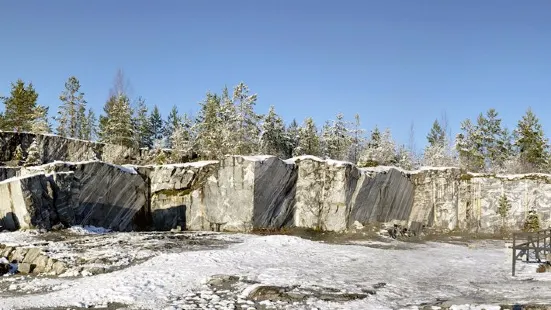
point(235, 271)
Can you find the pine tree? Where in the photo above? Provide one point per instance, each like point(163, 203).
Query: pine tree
point(404, 158)
point(438, 152)
point(33, 155)
point(87, 125)
point(172, 122)
point(358, 140)
point(247, 131)
point(40, 123)
point(308, 141)
point(531, 143)
point(439, 155)
point(380, 150)
point(18, 155)
point(21, 112)
point(227, 124)
point(118, 127)
point(71, 112)
point(273, 138)
point(208, 140)
point(469, 146)
point(336, 139)
point(156, 123)
point(437, 135)
point(142, 125)
point(103, 119)
point(292, 136)
point(495, 140)
point(180, 138)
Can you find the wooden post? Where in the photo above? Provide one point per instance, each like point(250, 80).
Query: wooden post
point(537, 252)
point(514, 254)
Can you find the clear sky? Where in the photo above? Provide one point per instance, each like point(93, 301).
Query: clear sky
point(393, 62)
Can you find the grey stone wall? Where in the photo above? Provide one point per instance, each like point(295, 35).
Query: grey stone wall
point(55, 148)
point(244, 193)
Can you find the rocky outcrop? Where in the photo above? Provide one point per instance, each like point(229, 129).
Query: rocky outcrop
point(88, 193)
point(324, 193)
point(26, 202)
point(382, 195)
point(244, 193)
point(239, 193)
point(53, 148)
point(29, 260)
point(172, 191)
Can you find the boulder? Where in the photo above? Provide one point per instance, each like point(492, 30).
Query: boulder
point(25, 268)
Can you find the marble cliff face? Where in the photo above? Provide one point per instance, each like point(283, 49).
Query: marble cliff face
point(242, 193)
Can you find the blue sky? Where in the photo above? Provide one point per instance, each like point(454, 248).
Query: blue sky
point(393, 62)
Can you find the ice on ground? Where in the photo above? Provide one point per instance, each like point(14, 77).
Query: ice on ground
point(88, 230)
point(422, 274)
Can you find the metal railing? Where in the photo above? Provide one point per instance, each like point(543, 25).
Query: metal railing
point(538, 243)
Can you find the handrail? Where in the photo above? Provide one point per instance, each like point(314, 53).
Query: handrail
point(533, 242)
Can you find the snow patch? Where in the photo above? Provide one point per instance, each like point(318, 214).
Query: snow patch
point(257, 157)
point(86, 230)
point(195, 164)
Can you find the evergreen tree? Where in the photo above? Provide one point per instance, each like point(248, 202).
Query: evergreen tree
point(227, 124)
point(438, 153)
point(273, 137)
point(180, 138)
point(357, 140)
point(380, 150)
point(21, 112)
point(18, 156)
point(33, 155)
point(118, 127)
point(72, 111)
point(469, 146)
point(87, 125)
point(40, 123)
point(531, 143)
point(103, 119)
point(142, 124)
point(292, 137)
point(247, 131)
point(336, 139)
point(172, 122)
point(209, 137)
point(156, 123)
point(308, 141)
point(495, 140)
point(404, 158)
point(437, 135)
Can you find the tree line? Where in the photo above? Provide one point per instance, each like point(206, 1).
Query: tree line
point(227, 123)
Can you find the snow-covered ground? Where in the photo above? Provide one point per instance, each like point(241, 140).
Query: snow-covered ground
point(248, 269)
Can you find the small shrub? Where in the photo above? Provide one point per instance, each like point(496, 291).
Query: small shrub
point(503, 206)
point(161, 158)
point(503, 209)
point(18, 153)
point(532, 222)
